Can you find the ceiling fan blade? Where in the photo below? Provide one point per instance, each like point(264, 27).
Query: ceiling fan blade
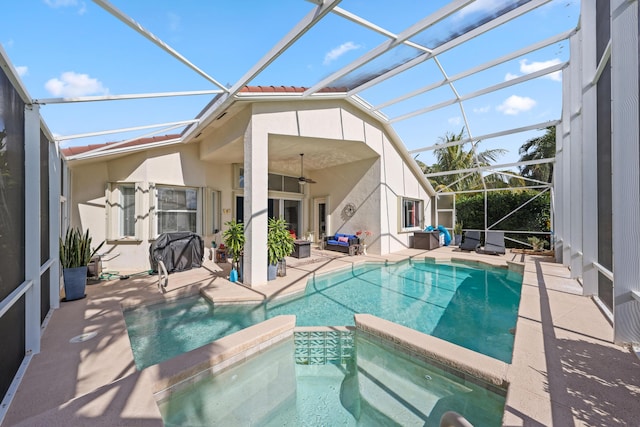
point(302, 178)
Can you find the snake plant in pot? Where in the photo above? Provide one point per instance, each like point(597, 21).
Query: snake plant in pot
point(75, 256)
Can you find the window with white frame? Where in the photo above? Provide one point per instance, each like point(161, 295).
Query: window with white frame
point(214, 215)
point(176, 209)
point(411, 211)
point(127, 210)
point(122, 211)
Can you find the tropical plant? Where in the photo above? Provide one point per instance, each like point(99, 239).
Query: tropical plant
point(75, 249)
point(234, 240)
point(279, 240)
point(537, 243)
point(457, 229)
point(455, 157)
point(542, 147)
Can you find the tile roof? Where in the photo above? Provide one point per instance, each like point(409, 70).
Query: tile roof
point(72, 151)
point(287, 89)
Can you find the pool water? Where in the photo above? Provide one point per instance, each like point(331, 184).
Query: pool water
point(300, 384)
point(464, 304)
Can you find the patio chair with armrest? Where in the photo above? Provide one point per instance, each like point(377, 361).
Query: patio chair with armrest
point(493, 243)
point(470, 240)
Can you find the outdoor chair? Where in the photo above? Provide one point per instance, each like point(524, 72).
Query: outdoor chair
point(470, 241)
point(493, 243)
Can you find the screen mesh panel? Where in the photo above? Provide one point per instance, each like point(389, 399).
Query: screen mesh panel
point(605, 245)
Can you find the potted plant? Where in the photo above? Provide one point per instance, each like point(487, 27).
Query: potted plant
point(362, 240)
point(234, 241)
point(536, 243)
point(75, 255)
point(457, 233)
point(279, 245)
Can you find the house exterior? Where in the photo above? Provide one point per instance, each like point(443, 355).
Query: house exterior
point(245, 165)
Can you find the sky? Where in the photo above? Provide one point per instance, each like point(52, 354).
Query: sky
point(73, 48)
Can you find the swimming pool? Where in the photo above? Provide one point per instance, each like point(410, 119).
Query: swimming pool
point(462, 303)
point(331, 378)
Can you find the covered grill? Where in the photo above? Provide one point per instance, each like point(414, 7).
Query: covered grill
point(179, 251)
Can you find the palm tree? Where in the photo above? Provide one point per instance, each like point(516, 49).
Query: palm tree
point(455, 157)
point(542, 147)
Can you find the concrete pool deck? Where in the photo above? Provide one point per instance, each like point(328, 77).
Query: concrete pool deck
point(565, 369)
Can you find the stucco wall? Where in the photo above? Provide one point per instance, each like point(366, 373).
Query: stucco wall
point(175, 165)
point(374, 184)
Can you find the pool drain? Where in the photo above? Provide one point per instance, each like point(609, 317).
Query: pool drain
point(83, 337)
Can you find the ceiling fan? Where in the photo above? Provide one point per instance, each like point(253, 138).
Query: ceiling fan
point(302, 180)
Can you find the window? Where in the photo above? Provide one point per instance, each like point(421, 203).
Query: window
point(122, 211)
point(127, 210)
point(177, 209)
point(214, 215)
point(275, 182)
point(411, 214)
point(289, 209)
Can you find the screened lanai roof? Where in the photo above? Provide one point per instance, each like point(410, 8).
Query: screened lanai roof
point(490, 67)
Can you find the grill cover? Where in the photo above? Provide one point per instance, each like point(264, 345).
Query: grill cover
point(179, 251)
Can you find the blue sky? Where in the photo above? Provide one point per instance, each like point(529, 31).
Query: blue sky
point(75, 48)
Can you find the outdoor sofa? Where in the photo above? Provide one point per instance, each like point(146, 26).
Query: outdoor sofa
point(341, 242)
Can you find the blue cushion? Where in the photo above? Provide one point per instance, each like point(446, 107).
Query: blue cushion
point(335, 242)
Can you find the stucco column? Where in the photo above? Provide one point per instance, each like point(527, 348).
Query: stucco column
point(256, 152)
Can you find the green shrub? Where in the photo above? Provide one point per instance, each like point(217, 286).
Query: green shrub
point(534, 216)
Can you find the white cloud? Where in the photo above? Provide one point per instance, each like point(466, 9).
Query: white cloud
point(174, 21)
point(481, 110)
point(515, 105)
point(22, 70)
point(531, 67)
point(510, 76)
point(479, 6)
point(339, 51)
point(71, 84)
point(9, 44)
point(455, 120)
point(527, 67)
point(61, 3)
point(67, 3)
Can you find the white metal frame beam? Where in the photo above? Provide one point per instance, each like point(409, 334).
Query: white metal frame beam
point(437, 16)
point(540, 125)
point(479, 68)
point(171, 125)
point(311, 19)
point(154, 39)
point(489, 168)
point(68, 100)
point(451, 44)
point(508, 83)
